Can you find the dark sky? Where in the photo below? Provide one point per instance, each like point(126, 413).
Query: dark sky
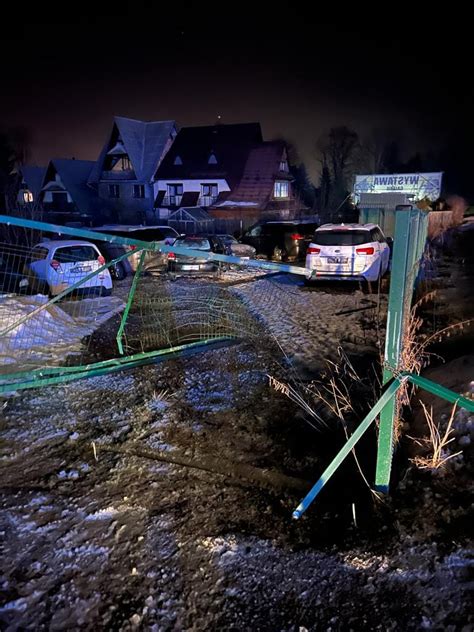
point(65, 81)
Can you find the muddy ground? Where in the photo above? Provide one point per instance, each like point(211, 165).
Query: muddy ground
point(95, 536)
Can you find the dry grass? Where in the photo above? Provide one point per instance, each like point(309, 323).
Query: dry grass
point(415, 354)
point(437, 442)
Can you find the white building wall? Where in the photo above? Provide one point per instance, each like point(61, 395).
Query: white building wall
point(191, 185)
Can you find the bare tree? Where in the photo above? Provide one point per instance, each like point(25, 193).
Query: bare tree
point(378, 151)
point(338, 148)
point(20, 138)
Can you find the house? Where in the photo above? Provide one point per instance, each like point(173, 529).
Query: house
point(31, 182)
point(229, 171)
point(124, 172)
point(203, 163)
point(264, 190)
point(66, 196)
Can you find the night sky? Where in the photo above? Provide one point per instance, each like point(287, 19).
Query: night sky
point(65, 81)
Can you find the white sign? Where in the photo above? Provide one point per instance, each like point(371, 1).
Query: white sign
point(414, 185)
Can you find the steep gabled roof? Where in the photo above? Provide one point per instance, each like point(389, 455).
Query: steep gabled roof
point(33, 176)
point(144, 142)
point(74, 175)
point(261, 170)
point(229, 144)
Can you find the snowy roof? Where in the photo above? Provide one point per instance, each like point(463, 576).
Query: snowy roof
point(144, 142)
point(236, 203)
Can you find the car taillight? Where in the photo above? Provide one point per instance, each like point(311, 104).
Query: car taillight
point(365, 251)
point(171, 255)
point(133, 247)
point(313, 251)
point(101, 260)
point(296, 236)
point(55, 264)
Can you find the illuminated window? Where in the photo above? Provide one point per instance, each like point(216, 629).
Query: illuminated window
point(281, 189)
point(27, 196)
point(284, 165)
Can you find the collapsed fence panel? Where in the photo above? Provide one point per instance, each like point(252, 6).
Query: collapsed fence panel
point(62, 307)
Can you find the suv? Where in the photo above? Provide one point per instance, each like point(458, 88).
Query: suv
point(281, 240)
point(56, 265)
point(154, 261)
point(347, 252)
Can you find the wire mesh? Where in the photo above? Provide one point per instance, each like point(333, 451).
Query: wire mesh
point(74, 302)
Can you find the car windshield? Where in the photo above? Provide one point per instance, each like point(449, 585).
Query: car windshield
point(341, 237)
point(194, 243)
point(75, 253)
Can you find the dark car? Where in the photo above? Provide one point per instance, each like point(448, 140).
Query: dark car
point(182, 264)
point(12, 277)
point(228, 245)
point(281, 240)
point(155, 262)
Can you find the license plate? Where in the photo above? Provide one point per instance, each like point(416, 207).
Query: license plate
point(82, 269)
point(337, 259)
point(190, 267)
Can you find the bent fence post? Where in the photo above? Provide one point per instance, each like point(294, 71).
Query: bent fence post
point(347, 447)
point(131, 295)
point(409, 243)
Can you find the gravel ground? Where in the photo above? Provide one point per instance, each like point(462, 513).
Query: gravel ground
point(99, 539)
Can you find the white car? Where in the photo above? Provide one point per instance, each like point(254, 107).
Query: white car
point(57, 265)
point(347, 252)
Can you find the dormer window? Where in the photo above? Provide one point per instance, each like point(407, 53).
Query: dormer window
point(284, 166)
point(281, 189)
point(178, 161)
point(212, 159)
point(117, 158)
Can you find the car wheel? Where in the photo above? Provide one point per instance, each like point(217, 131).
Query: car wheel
point(118, 271)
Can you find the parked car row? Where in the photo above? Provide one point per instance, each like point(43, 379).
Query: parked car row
point(281, 240)
point(331, 251)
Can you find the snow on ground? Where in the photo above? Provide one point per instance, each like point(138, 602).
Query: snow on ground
point(123, 543)
point(50, 332)
point(94, 540)
point(305, 323)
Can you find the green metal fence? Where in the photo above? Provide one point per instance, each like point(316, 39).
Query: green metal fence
point(64, 316)
point(409, 245)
